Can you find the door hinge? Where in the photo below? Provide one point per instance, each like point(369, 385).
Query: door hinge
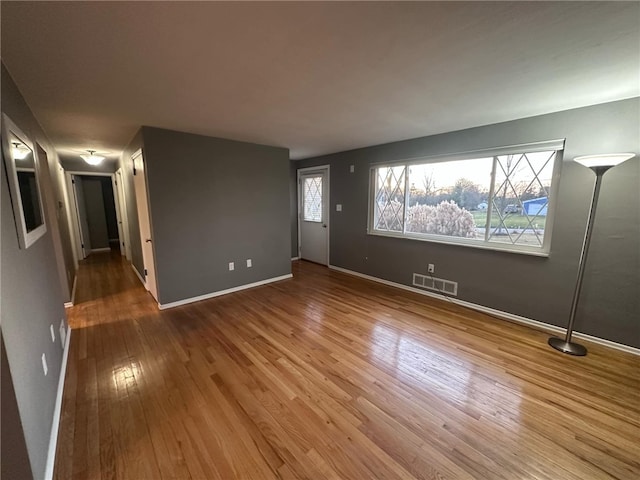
point(145, 272)
point(73, 181)
point(82, 245)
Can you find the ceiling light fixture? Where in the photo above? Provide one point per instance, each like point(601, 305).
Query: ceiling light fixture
point(20, 151)
point(92, 158)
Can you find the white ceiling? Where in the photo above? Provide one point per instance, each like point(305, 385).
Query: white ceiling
point(313, 77)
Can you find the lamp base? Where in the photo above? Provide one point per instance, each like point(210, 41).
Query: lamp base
point(567, 347)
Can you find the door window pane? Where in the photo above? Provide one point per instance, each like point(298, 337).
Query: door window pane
point(312, 199)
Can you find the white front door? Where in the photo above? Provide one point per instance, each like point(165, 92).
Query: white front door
point(313, 195)
point(142, 204)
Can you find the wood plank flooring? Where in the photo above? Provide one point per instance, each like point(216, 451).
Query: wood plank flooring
point(330, 376)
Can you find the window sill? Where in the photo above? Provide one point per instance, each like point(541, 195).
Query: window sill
point(462, 242)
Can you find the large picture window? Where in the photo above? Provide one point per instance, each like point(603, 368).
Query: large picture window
point(501, 199)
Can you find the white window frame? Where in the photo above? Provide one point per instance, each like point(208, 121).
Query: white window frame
point(543, 251)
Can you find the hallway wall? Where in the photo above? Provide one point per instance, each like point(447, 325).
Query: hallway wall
point(32, 297)
point(14, 461)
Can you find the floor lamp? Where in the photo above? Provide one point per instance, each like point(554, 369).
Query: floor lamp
point(599, 164)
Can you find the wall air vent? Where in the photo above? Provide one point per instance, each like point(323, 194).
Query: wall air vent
point(446, 287)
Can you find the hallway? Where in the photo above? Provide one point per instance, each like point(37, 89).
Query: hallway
point(330, 376)
point(105, 280)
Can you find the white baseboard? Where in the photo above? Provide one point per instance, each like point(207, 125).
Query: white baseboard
point(98, 250)
point(496, 313)
point(138, 275)
point(293, 259)
point(55, 425)
point(222, 292)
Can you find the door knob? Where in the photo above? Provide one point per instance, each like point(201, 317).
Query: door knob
point(324, 226)
point(148, 240)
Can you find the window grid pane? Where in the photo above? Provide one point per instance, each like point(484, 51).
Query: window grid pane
point(389, 199)
point(521, 198)
point(312, 199)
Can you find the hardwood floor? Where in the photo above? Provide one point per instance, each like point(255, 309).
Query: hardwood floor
point(330, 376)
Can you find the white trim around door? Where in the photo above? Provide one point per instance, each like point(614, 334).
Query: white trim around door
point(145, 223)
point(325, 170)
point(74, 223)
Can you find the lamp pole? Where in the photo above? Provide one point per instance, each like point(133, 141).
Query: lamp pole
point(599, 164)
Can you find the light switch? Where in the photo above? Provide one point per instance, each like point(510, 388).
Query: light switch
point(352, 168)
point(338, 207)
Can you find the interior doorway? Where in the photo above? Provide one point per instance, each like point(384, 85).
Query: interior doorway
point(144, 220)
point(313, 214)
point(96, 220)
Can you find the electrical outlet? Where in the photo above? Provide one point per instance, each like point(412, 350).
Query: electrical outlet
point(63, 333)
point(53, 334)
point(232, 266)
point(249, 264)
point(431, 268)
point(44, 364)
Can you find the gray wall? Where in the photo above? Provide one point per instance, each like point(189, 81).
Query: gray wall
point(109, 201)
point(215, 201)
point(610, 305)
point(14, 458)
point(52, 192)
point(130, 198)
point(96, 217)
point(32, 299)
point(293, 206)
point(55, 201)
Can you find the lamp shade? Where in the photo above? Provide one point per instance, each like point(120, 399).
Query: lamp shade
point(92, 158)
point(604, 160)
